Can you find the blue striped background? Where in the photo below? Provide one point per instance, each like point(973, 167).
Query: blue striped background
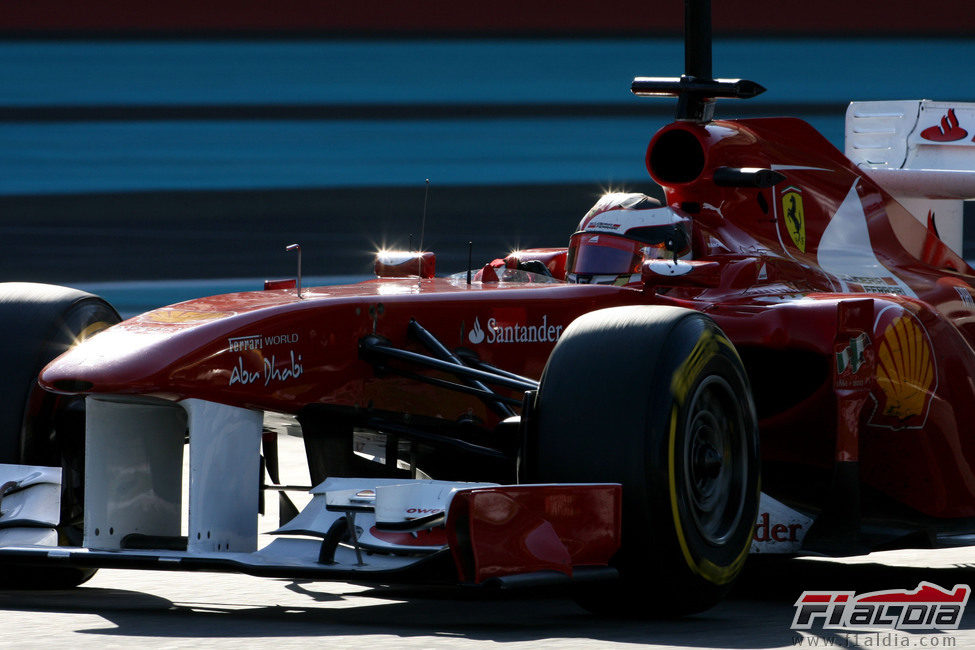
point(112, 156)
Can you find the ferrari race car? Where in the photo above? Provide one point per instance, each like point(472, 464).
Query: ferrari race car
point(778, 359)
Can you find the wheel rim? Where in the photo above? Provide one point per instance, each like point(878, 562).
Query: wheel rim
point(715, 460)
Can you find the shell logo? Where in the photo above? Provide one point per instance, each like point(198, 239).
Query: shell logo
point(906, 373)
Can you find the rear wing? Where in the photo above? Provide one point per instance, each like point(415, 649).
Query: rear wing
point(923, 153)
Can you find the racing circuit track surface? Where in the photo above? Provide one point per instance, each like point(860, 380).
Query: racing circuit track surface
point(128, 608)
point(119, 608)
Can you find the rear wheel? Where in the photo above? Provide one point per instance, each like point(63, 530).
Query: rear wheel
point(37, 323)
point(655, 398)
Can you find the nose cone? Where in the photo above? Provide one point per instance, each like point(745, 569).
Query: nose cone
point(139, 355)
point(122, 359)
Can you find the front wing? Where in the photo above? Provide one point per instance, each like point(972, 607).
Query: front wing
point(366, 531)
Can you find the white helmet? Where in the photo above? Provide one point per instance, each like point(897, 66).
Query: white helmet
point(619, 233)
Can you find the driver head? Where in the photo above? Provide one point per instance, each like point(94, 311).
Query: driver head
point(622, 231)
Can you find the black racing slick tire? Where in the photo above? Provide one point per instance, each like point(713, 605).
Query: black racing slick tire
point(38, 322)
point(655, 398)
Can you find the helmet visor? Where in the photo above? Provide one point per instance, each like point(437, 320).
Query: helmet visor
point(602, 253)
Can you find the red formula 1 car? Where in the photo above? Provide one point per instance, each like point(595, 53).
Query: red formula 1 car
point(599, 414)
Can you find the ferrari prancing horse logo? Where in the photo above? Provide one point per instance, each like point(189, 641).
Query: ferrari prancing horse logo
point(795, 220)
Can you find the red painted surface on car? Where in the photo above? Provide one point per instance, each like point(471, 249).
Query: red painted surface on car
point(524, 529)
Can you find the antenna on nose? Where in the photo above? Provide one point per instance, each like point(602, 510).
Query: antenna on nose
point(296, 247)
point(696, 90)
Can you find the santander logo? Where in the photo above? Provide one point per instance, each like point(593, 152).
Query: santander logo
point(476, 335)
point(949, 129)
point(504, 331)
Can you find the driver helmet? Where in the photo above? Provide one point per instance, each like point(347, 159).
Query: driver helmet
point(619, 233)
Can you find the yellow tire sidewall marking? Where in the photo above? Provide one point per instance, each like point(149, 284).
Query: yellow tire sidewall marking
point(705, 348)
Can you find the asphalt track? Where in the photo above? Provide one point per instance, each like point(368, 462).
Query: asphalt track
point(128, 608)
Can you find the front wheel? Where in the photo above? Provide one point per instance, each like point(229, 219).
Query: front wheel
point(37, 323)
point(655, 398)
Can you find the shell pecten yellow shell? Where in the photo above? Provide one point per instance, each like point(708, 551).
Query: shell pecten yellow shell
point(905, 370)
